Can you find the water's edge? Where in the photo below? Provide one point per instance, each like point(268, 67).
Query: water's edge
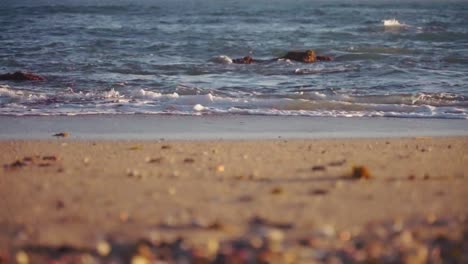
point(151, 127)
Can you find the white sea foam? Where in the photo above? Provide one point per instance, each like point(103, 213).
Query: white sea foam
point(198, 107)
point(111, 94)
point(15, 101)
point(223, 59)
point(153, 95)
point(7, 91)
point(392, 23)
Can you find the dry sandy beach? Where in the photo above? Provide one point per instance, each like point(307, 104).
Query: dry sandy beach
point(319, 200)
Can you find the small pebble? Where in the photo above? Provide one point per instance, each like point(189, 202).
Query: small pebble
point(123, 216)
point(319, 192)
point(154, 160)
point(360, 172)
point(62, 134)
point(220, 168)
point(136, 148)
point(140, 260)
point(275, 235)
point(212, 246)
point(103, 248)
point(16, 164)
point(326, 231)
point(59, 204)
point(189, 160)
point(133, 173)
point(22, 257)
point(51, 158)
point(318, 168)
point(345, 235)
point(277, 190)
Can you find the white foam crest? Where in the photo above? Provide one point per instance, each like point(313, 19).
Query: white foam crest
point(438, 99)
point(434, 99)
point(111, 94)
point(6, 90)
point(434, 113)
point(392, 23)
point(10, 93)
point(198, 107)
point(223, 59)
point(153, 95)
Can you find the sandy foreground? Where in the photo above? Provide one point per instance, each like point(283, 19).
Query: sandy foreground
point(94, 200)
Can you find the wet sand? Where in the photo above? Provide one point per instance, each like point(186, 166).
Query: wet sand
point(74, 193)
point(209, 127)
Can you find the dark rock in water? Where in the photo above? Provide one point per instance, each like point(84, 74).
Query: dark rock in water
point(245, 60)
point(20, 76)
point(324, 58)
point(307, 56)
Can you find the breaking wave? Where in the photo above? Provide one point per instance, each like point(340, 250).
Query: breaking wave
point(423, 105)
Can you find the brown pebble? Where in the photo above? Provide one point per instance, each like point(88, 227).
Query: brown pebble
point(155, 160)
point(62, 134)
point(344, 235)
point(412, 177)
point(319, 192)
point(59, 204)
point(239, 177)
point(135, 148)
point(165, 147)
point(28, 159)
point(189, 160)
point(360, 172)
point(277, 190)
point(216, 225)
point(15, 164)
point(52, 158)
point(318, 168)
point(44, 164)
point(123, 216)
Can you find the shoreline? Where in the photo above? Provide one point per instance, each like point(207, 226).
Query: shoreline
point(79, 194)
point(150, 127)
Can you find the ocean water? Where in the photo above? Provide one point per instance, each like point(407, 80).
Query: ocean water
point(391, 58)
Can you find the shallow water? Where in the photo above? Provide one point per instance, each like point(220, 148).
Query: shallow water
point(172, 57)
